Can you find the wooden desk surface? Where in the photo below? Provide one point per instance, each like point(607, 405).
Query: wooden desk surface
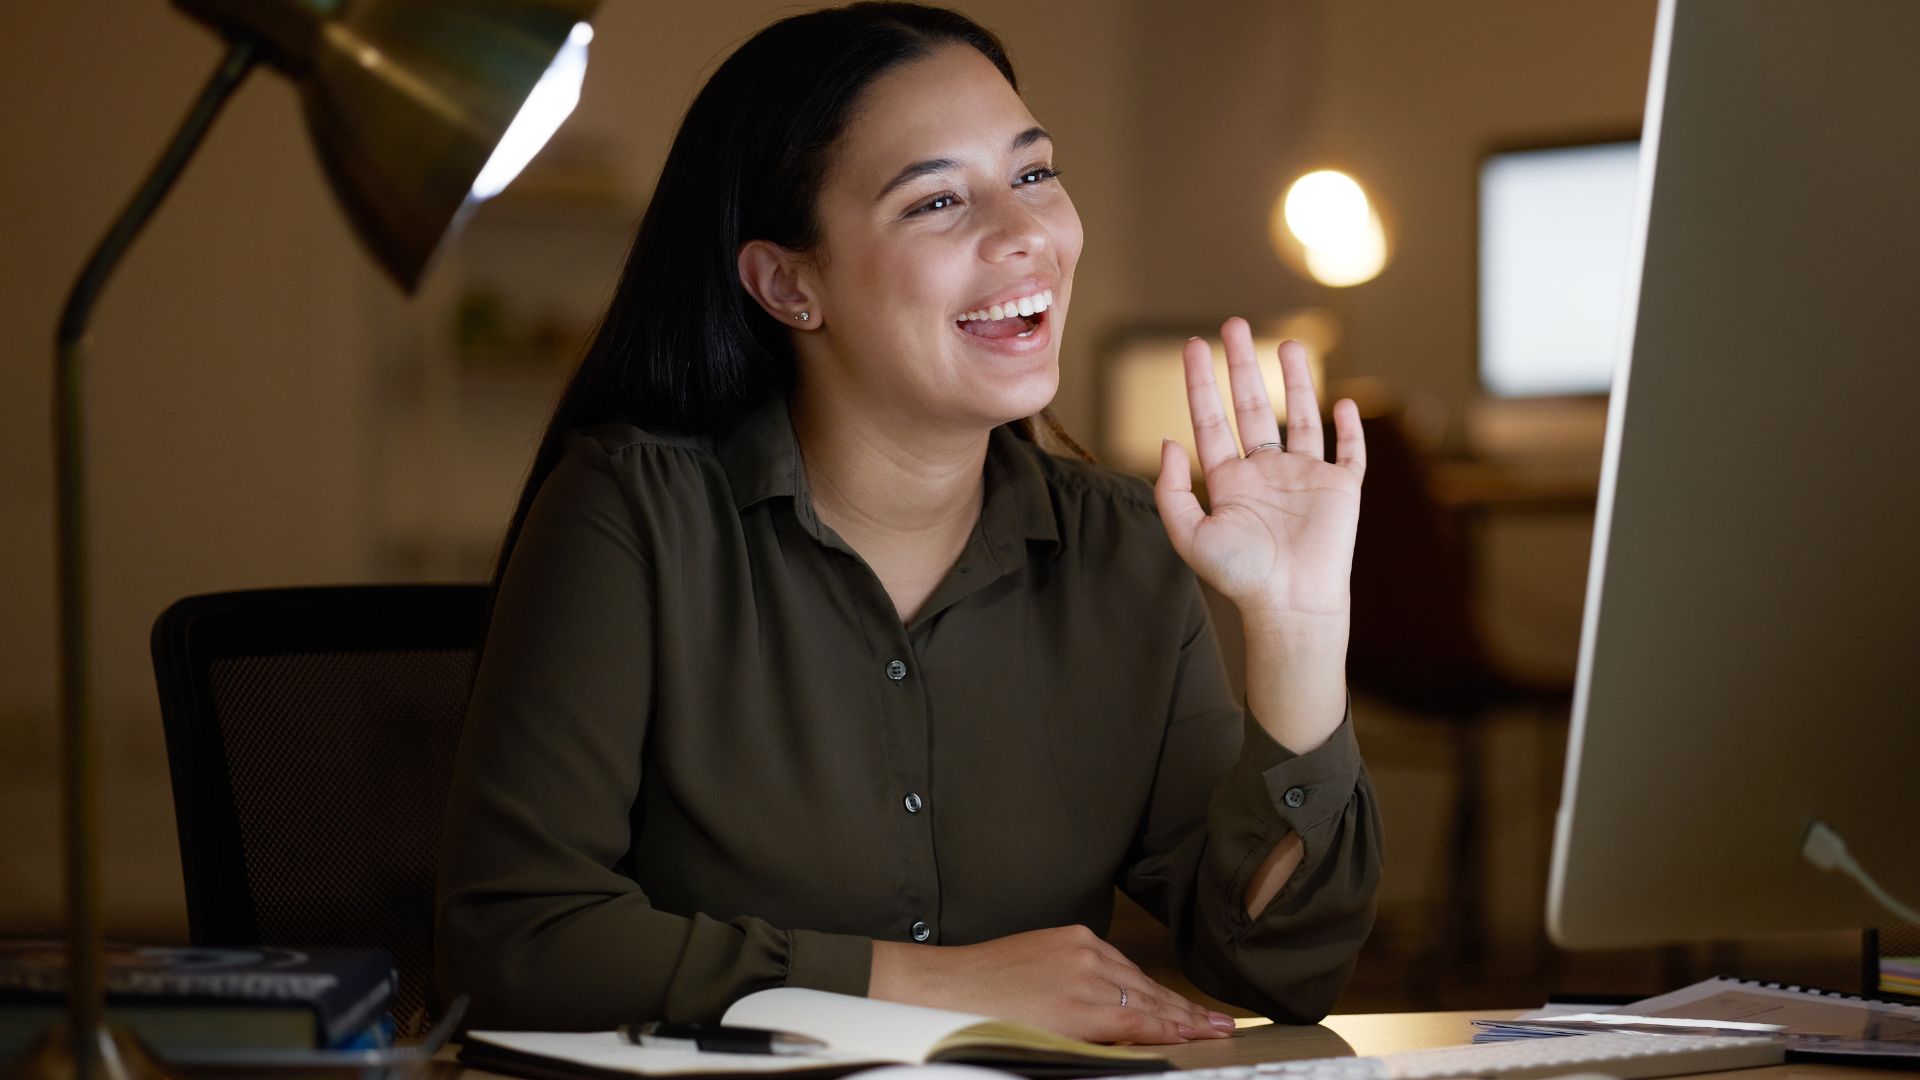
point(1362, 1034)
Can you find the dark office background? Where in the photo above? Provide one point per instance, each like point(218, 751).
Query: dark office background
point(267, 411)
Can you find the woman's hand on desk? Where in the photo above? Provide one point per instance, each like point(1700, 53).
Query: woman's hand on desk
point(1064, 979)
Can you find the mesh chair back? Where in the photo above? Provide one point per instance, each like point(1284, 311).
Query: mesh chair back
point(310, 736)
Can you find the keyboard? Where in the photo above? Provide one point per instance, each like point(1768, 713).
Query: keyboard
point(1628, 1056)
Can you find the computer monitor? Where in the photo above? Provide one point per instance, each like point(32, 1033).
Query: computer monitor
point(1555, 239)
point(1750, 653)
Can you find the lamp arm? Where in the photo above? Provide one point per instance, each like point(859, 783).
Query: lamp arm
point(241, 56)
point(85, 997)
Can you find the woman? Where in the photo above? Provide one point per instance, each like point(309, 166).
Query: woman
point(808, 666)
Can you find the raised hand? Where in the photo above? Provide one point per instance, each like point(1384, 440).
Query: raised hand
point(1278, 539)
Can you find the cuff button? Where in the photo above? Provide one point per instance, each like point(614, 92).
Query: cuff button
point(1294, 797)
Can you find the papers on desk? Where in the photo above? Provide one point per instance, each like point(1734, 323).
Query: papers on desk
point(1815, 1024)
point(861, 1033)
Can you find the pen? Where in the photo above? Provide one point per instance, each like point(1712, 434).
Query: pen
point(719, 1038)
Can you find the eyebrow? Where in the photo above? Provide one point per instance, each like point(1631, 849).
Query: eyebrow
point(921, 168)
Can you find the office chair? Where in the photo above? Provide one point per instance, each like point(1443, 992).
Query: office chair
point(310, 737)
point(1416, 644)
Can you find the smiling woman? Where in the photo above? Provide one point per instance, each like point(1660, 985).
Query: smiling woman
point(810, 665)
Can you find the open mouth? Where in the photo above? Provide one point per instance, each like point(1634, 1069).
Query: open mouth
point(1018, 319)
point(1018, 326)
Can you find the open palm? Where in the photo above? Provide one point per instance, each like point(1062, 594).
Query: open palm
point(1278, 541)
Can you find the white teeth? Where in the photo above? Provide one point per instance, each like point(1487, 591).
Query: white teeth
point(1025, 306)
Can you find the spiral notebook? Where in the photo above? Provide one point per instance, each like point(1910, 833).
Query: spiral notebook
point(1816, 1024)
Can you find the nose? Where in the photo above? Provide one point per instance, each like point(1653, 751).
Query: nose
point(1013, 229)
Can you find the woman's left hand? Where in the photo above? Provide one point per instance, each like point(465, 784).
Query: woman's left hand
point(1278, 541)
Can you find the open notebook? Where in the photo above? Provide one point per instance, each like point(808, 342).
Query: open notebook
point(859, 1032)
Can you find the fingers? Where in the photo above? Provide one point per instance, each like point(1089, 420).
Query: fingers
point(1180, 512)
point(1105, 971)
point(1133, 1025)
point(1252, 411)
point(1303, 406)
point(1350, 440)
point(1211, 436)
point(1144, 993)
point(1155, 1000)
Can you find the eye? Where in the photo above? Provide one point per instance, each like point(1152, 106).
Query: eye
point(934, 203)
point(1038, 175)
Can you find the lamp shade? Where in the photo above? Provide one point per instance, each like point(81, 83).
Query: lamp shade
point(408, 100)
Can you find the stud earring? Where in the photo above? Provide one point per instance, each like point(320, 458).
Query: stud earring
point(804, 316)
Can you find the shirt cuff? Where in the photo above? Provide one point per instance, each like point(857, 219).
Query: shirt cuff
point(842, 963)
point(1305, 794)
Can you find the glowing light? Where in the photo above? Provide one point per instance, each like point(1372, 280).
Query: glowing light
point(1352, 262)
point(1327, 227)
point(550, 103)
point(1326, 208)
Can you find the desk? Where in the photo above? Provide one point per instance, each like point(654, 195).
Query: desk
point(1361, 1033)
point(1366, 1034)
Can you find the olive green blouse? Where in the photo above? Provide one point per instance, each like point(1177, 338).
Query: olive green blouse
point(704, 756)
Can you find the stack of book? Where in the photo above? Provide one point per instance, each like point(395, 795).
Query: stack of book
point(1900, 975)
point(187, 1001)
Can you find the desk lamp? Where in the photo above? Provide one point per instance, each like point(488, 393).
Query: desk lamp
point(420, 110)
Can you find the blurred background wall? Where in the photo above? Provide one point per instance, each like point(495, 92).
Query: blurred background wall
point(267, 411)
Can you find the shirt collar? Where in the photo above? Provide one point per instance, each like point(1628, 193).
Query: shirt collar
point(1019, 502)
point(761, 457)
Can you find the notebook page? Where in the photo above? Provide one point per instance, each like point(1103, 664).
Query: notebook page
point(874, 1029)
point(607, 1050)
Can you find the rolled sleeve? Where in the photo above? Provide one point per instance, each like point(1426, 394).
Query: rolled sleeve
point(1291, 960)
point(1208, 838)
point(1280, 792)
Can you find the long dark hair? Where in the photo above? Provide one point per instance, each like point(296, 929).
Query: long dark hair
point(682, 347)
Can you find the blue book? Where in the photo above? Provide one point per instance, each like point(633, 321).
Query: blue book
point(181, 1000)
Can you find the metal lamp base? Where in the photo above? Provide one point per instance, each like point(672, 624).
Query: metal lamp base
point(122, 1056)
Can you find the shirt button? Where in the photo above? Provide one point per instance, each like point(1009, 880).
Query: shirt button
point(921, 931)
point(1294, 796)
point(913, 803)
point(896, 670)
